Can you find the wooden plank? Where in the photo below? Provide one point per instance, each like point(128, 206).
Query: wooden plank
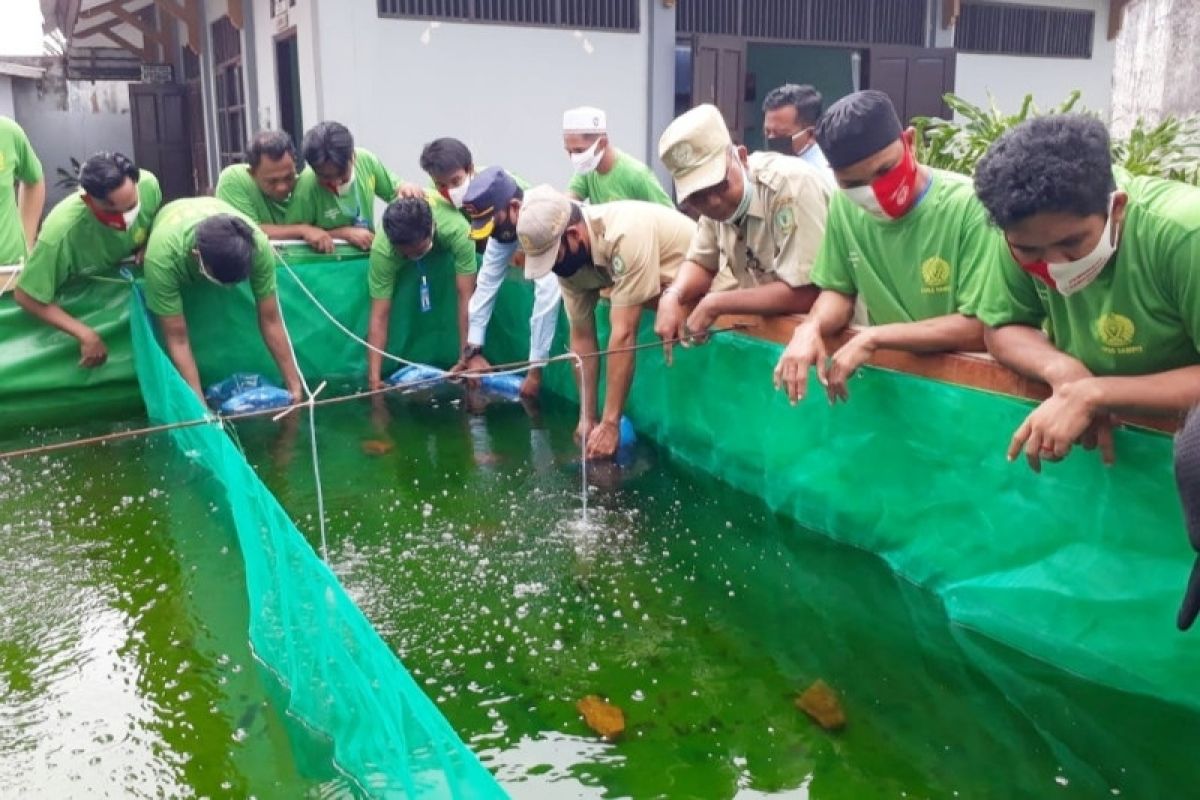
point(950, 11)
point(237, 14)
point(189, 14)
point(103, 8)
point(148, 33)
point(124, 43)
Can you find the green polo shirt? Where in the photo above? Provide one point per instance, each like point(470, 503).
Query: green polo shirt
point(74, 244)
point(236, 186)
point(18, 162)
point(629, 179)
point(926, 264)
point(170, 264)
point(450, 235)
point(1141, 315)
point(371, 179)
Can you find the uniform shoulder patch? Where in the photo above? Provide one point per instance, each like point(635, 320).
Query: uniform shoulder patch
point(785, 219)
point(618, 264)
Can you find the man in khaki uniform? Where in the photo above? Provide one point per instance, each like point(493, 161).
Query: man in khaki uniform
point(761, 219)
point(629, 246)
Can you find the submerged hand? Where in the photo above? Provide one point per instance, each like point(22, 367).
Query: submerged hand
point(603, 440)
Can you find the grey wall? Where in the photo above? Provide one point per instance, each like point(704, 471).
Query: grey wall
point(7, 109)
point(1008, 79)
point(1157, 62)
point(400, 83)
point(71, 118)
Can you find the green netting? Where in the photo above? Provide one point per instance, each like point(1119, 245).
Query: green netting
point(1082, 566)
point(340, 678)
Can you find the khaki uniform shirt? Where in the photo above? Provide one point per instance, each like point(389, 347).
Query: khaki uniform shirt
point(637, 247)
point(781, 232)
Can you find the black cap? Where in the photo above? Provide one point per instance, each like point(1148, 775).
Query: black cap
point(856, 127)
point(491, 189)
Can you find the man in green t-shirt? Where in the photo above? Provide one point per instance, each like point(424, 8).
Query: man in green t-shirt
point(265, 190)
point(906, 239)
point(602, 172)
point(203, 238)
point(413, 228)
point(1094, 288)
point(343, 182)
point(19, 165)
point(87, 233)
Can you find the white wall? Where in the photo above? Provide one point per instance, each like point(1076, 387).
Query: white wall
point(1157, 61)
point(65, 119)
point(265, 30)
point(1009, 78)
point(398, 84)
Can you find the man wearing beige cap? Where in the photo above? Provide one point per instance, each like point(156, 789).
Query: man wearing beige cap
point(628, 246)
point(761, 216)
point(602, 172)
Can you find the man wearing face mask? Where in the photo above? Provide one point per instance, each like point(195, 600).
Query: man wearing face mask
point(790, 116)
point(492, 204)
point(628, 246)
point(343, 182)
point(761, 220)
point(602, 172)
point(201, 239)
point(908, 240)
point(415, 227)
point(1107, 264)
point(449, 164)
point(265, 190)
point(88, 232)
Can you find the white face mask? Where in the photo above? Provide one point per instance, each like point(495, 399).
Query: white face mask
point(1068, 277)
point(459, 192)
point(588, 160)
point(345, 188)
point(743, 204)
point(864, 198)
point(131, 216)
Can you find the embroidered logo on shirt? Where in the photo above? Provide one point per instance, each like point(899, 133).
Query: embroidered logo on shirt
point(139, 236)
point(785, 220)
point(935, 275)
point(618, 265)
point(1116, 332)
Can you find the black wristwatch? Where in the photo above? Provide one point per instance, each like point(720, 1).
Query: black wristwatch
point(470, 351)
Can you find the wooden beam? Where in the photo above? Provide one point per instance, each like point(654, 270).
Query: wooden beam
point(103, 8)
point(237, 14)
point(92, 31)
point(950, 11)
point(148, 33)
point(189, 14)
point(125, 44)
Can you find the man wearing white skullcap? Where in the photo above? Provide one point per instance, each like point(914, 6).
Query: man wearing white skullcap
point(602, 172)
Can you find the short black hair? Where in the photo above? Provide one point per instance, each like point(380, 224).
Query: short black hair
point(329, 143)
point(804, 98)
point(104, 173)
point(226, 245)
point(408, 221)
point(272, 144)
point(445, 155)
point(1057, 163)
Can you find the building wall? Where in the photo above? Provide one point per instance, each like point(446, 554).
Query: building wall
point(1009, 78)
point(66, 119)
point(265, 31)
point(6, 97)
point(502, 89)
point(1157, 60)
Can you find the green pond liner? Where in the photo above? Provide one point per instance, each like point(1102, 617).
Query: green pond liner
point(1081, 567)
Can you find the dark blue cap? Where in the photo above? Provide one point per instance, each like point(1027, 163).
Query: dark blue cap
point(490, 189)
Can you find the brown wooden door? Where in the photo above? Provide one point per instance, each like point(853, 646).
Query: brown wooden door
point(915, 78)
point(160, 136)
point(719, 77)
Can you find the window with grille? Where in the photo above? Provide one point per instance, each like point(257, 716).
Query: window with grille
point(834, 21)
point(230, 92)
point(609, 15)
point(1024, 30)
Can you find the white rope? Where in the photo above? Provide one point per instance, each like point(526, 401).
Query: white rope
point(568, 356)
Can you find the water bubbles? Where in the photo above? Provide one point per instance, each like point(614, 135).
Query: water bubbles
point(638, 695)
point(1061, 780)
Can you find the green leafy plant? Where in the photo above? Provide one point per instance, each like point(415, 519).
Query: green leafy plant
point(68, 179)
point(1170, 149)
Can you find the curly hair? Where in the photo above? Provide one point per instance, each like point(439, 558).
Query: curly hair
point(1059, 163)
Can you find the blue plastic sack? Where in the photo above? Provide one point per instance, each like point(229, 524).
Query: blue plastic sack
point(416, 373)
point(261, 398)
point(506, 386)
point(235, 384)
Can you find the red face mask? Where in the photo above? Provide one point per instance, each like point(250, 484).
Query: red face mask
point(444, 192)
point(111, 219)
point(891, 195)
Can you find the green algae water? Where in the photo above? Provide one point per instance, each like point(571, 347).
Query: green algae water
point(124, 665)
point(692, 608)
